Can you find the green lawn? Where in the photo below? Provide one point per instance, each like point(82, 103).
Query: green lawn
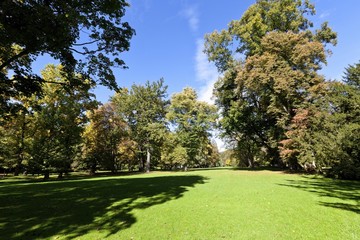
point(204, 204)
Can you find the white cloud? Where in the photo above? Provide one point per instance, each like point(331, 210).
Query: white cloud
point(327, 13)
point(324, 15)
point(206, 73)
point(192, 15)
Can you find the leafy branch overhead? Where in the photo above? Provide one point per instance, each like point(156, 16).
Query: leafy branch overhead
point(86, 37)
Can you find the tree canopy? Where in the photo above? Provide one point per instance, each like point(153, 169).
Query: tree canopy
point(86, 37)
point(258, 95)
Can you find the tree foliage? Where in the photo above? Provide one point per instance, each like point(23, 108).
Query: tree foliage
point(143, 108)
point(84, 36)
point(102, 138)
point(193, 121)
point(326, 132)
point(258, 96)
point(59, 122)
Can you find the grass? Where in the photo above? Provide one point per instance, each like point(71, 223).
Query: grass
point(206, 204)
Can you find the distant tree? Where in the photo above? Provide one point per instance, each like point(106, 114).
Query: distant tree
point(15, 141)
point(193, 120)
point(209, 155)
point(59, 122)
point(128, 152)
point(102, 138)
point(352, 75)
point(228, 158)
point(173, 155)
point(143, 108)
point(85, 36)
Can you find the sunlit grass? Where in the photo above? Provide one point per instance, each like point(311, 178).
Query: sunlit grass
point(206, 204)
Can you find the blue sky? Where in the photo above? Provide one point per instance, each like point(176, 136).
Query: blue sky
point(169, 40)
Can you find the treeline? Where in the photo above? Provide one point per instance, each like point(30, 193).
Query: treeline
point(139, 129)
point(276, 108)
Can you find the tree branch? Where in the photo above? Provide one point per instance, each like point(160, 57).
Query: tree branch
point(13, 58)
point(89, 52)
point(86, 43)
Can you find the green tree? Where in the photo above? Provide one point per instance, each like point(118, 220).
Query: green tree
point(173, 155)
point(259, 95)
point(102, 137)
point(16, 133)
point(143, 108)
point(193, 120)
point(59, 122)
point(15, 141)
point(324, 135)
point(84, 36)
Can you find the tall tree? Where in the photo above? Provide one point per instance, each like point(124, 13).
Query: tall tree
point(59, 122)
point(85, 36)
point(258, 96)
point(15, 141)
point(193, 120)
point(325, 134)
point(143, 108)
point(102, 137)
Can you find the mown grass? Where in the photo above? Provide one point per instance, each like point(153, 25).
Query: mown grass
point(206, 204)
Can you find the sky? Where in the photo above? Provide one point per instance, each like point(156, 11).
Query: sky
point(169, 41)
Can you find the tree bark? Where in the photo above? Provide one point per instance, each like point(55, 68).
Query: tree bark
point(46, 175)
point(147, 165)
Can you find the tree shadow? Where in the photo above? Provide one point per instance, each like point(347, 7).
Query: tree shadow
point(260, 168)
point(340, 194)
point(209, 169)
point(74, 208)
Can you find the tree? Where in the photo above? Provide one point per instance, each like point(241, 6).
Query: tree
point(128, 152)
point(258, 96)
point(84, 36)
point(261, 18)
point(173, 155)
point(16, 133)
point(59, 122)
point(102, 138)
point(324, 135)
point(193, 120)
point(15, 141)
point(143, 108)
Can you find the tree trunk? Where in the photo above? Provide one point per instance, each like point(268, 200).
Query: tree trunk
point(21, 148)
point(141, 164)
point(46, 175)
point(147, 165)
point(92, 169)
point(250, 162)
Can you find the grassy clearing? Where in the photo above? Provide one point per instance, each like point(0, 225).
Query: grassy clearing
point(205, 204)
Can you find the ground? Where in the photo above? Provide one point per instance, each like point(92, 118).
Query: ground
point(201, 204)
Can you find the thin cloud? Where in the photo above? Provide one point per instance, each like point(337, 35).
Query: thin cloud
point(326, 13)
point(192, 16)
point(206, 73)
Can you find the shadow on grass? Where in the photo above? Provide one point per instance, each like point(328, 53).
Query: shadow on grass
point(74, 208)
point(257, 169)
point(10, 179)
point(209, 169)
point(340, 194)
